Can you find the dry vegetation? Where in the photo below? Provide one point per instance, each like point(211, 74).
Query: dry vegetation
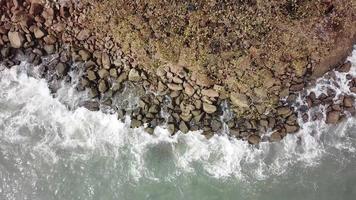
point(250, 46)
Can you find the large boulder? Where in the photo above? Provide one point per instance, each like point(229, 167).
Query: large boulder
point(16, 39)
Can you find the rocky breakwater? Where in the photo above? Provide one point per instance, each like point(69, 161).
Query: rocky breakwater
point(172, 95)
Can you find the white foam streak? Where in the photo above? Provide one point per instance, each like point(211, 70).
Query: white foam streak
point(54, 128)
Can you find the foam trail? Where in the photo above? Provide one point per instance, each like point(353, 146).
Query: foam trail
point(45, 128)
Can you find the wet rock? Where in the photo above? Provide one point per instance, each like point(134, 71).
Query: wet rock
point(296, 87)
point(208, 108)
point(91, 105)
point(62, 69)
point(353, 89)
point(333, 117)
point(102, 86)
point(254, 139)
point(36, 9)
point(215, 125)
point(134, 75)
point(348, 101)
point(183, 127)
point(149, 130)
point(276, 136)
point(105, 60)
point(239, 100)
point(344, 67)
point(174, 87)
point(103, 73)
point(210, 93)
point(49, 48)
point(291, 128)
point(135, 123)
point(38, 33)
point(234, 132)
point(16, 39)
point(171, 128)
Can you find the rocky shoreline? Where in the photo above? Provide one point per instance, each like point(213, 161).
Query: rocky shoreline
point(171, 95)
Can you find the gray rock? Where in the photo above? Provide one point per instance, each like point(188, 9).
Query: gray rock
point(215, 125)
point(149, 130)
point(49, 48)
point(62, 69)
point(113, 72)
point(134, 75)
point(208, 108)
point(16, 39)
point(183, 127)
point(90, 105)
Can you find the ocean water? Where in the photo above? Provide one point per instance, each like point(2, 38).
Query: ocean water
point(52, 149)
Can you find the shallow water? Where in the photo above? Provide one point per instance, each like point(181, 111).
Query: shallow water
point(49, 149)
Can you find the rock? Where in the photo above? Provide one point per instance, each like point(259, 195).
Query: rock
point(105, 60)
point(175, 87)
point(284, 111)
point(348, 101)
point(353, 89)
point(84, 54)
point(254, 139)
point(171, 128)
point(113, 72)
point(134, 75)
point(102, 86)
point(103, 73)
point(210, 93)
point(291, 128)
point(153, 109)
point(215, 125)
point(135, 123)
point(91, 75)
point(38, 33)
point(49, 48)
point(296, 87)
point(149, 130)
point(234, 132)
point(16, 39)
point(90, 105)
point(183, 127)
point(208, 108)
point(239, 100)
point(189, 90)
point(62, 69)
point(333, 117)
point(36, 9)
point(83, 35)
point(344, 67)
point(276, 136)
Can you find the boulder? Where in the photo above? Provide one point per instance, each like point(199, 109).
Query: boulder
point(102, 86)
point(333, 117)
point(38, 33)
point(210, 93)
point(254, 139)
point(239, 100)
point(62, 69)
point(16, 39)
point(208, 108)
point(105, 60)
point(183, 127)
point(134, 75)
point(103, 73)
point(348, 102)
point(91, 75)
point(344, 67)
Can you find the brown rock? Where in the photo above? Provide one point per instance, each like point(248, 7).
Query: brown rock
point(38, 33)
point(333, 117)
point(189, 90)
point(83, 35)
point(210, 93)
point(102, 86)
point(16, 39)
point(183, 127)
point(348, 101)
point(208, 108)
point(353, 89)
point(254, 139)
point(36, 9)
point(103, 73)
point(344, 67)
point(296, 87)
point(105, 60)
point(175, 87)
point(239, 100)
point(284, 111)
point(62, 69)
point(291, 128)
point(84, 54)
point(276, 136)
point(134, 75)
point(91, 75)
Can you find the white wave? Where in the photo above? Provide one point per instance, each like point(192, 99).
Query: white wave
point(43, 125)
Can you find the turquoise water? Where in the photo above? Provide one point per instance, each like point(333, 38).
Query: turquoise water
point(50, 149)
